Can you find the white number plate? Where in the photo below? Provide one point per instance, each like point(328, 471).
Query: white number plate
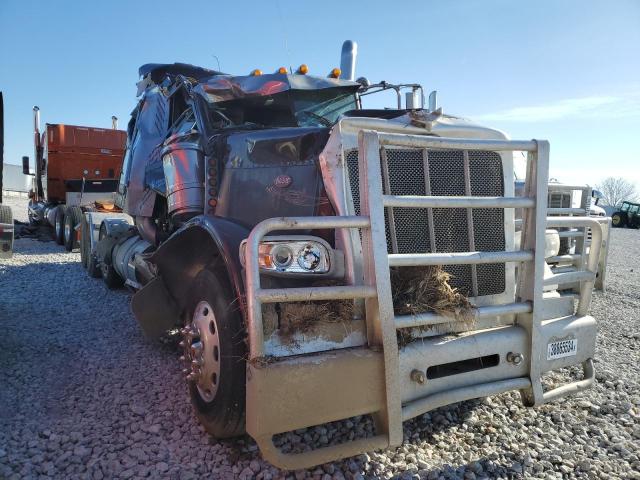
point(563, 348)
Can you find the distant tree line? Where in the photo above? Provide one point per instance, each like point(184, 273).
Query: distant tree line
point(616, 190)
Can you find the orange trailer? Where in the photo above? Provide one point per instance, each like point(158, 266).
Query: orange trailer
point(77, 169)
point(74, 153)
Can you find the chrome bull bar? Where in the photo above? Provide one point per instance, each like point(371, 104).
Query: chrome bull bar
point(382, 323)
point(568, 262)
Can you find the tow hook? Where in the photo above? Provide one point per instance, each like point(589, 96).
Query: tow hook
point(418, 376)
point(515, 358)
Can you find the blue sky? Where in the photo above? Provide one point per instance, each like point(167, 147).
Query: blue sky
point(567, 71)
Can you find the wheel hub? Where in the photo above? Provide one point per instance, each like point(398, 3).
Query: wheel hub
point(67, 232)
point(202, 351)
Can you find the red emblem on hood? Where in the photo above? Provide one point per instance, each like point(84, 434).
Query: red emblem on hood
point(282, 181)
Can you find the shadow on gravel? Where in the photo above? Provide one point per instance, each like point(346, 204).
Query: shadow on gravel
point(37, 232)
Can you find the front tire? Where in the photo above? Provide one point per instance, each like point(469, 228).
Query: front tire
point(214, 338)
point(618, 220)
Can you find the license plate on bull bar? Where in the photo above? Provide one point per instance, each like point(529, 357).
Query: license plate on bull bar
point(562, 348)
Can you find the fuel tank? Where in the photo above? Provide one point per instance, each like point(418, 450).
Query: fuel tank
point(124, 256)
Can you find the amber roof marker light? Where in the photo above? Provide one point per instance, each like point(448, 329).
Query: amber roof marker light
point(303, 69)
point(282, 70)
point(335, 73)
point(256, 72)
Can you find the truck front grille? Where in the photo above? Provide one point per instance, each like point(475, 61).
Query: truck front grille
point(410, 172)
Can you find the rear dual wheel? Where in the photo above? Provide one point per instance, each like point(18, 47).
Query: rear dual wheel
point(107, 271)
point(58, 224)
point(72, 218)
point(87, 257)
point(6, 217)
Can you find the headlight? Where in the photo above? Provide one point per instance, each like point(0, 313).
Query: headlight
point(309, 257)
point(281, 255)
point(292, 255)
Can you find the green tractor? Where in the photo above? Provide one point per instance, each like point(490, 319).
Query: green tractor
point(628, 214)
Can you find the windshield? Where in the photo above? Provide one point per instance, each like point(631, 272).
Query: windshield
point(321, 107)
point(290, 108)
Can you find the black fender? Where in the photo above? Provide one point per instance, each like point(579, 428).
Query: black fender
point(203, 241)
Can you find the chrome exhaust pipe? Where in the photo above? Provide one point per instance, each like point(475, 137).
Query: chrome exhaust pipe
point(36, 119)
point(114, 122)
point(348, 60)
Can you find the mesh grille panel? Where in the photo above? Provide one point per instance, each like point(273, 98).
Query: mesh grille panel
point(406, 174)
point(482, 165)
point(406, 168)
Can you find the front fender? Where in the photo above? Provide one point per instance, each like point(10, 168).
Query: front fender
point(203, 241)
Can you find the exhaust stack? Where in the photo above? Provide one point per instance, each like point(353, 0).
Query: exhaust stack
point(37, 151)
point(114, 122)
point(348, 60)
point(36, 130)
point(36, 119)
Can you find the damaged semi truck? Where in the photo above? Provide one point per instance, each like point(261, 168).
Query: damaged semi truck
point(76, 170)
point(302, 245)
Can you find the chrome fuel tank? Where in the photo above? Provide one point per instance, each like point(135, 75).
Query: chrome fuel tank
point(124, 255)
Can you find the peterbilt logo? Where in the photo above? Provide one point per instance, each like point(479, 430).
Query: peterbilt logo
point(282, 181)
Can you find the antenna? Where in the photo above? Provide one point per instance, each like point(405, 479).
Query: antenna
point(284, 35)
point(217, 60)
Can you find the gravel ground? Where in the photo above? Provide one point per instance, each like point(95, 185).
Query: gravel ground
point(84, 395)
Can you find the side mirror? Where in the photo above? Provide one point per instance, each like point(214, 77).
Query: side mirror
point(25, 166)
point(597, 195)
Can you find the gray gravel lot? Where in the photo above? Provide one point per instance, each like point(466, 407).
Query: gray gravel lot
point(84, 395)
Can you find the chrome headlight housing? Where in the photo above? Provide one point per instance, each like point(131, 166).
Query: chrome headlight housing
point(293, 255)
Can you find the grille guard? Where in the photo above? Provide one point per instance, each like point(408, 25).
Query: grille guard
point(530, 310)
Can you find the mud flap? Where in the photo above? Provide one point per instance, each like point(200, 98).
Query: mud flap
point(155, 309)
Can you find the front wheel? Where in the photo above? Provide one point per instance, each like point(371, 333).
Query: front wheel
point(617, 220)
point(215, 352)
